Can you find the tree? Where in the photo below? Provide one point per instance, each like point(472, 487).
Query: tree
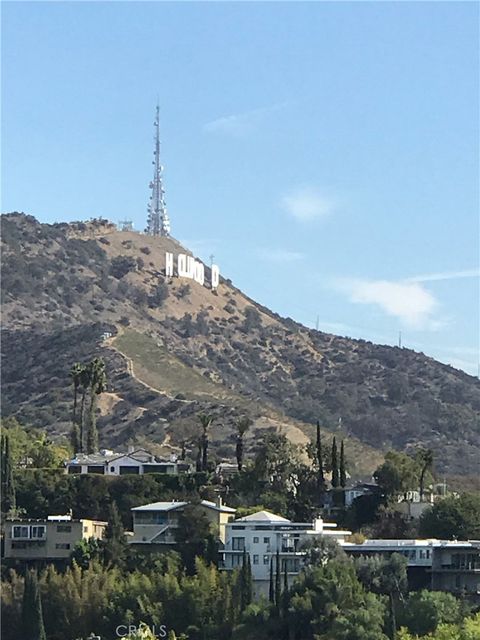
point(452, 518)
point(271, 587)
point(75, 374)
point(425, 459)
point(335, 471)
point(194, 536)
point(8, 479)
point(319, 460)
point(85, 384)
point(343, 473)
point(205, 422)
point(424, 611)
point(319, 550)
point(242, 427)
point(398, 474)
point(278, 583)
point(98, 383)
point(32, 615)
point(114, 540)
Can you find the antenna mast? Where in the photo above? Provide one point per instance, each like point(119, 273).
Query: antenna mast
point(158, 222)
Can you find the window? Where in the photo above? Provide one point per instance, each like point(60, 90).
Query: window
point(37, 532)
point(266, 559)
point(64, 528)
point(62, 545)
point(74, 468)
point(236, 560)
point(238, 544)
point(255, 559)
point(19, 545)
point(266, 540)
point(112, 469)
point(20, 531)
point(256, 540)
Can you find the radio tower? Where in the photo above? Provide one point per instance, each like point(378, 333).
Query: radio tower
point(158, 222)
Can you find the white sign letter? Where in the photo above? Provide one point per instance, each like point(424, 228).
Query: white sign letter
point(182, 265)
point(168, 264)
point(190, 267)
point(215, 276)
point(199, 274)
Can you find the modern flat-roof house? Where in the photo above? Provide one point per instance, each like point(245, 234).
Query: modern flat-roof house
point(262, 534)
point(50, 539)
point(136, 462)
point(442, 565)
point(156, 523)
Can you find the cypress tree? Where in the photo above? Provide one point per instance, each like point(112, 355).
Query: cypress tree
point(32, 615)
point(343, 473)
point(278, 582)
point(285, 592)
point(271, 591)
point(320, 476)
point(114, 537)
point(335, 473)
point(8, 480)
point(249, 584)
point(243, 582)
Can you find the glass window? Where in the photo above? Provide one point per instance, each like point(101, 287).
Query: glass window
point(64, 528)
point(255, 559)
point(266, 540)
point(20, 531)
point(238, 544)
point(62, 545)
point(255, 540)
point(38, 532)
point(266, 559)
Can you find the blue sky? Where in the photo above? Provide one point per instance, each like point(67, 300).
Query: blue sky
point(325, 153)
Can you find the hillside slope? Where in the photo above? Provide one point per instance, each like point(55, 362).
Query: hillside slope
point(178, 348)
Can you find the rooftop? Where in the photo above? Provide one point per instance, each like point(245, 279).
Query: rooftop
point(161, 506)
point(263, 516)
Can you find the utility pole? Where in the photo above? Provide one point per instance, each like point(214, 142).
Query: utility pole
point(400, 339)
point(158, 222)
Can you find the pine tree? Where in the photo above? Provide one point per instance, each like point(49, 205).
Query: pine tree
point(320, 476)
point(335, 473)
point(343, 473)
point(271, 590)
point(278, 582)
point(32, 616)
point(205, 422)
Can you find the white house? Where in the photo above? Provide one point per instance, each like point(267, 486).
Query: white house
point(107, 462)
point(262, 534)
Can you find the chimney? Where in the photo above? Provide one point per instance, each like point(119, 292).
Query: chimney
point(219, 501)
point(131, 448)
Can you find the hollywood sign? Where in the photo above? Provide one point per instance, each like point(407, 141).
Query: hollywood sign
point(188, 267)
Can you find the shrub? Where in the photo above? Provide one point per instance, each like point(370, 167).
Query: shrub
point(121, 265)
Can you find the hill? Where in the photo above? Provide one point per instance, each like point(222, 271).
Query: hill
point(178, 348)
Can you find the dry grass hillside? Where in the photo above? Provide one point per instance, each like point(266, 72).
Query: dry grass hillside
point(179, 348)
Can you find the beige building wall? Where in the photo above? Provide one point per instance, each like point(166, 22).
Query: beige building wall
point(58, 541)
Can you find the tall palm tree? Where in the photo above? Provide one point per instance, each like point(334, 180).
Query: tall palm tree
point(75, 373)
point(243, 425)
point(205, 422)
point(85, 384)
point(98, 384)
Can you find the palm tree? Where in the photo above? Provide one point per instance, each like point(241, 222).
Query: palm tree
point(425, 457)
point(243, 426)
point(75, 374)
point(84, 377)
point(205, 422)
point(98, 383)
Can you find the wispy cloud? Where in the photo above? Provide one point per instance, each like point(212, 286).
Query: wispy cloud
point(241, 124)
point(307, 203)
point(409, 302)
point(446, 275)
point(280, 255)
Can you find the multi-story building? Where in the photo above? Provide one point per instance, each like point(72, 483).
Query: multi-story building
point(262, 534)
point(156, 523)
point(442, 565)
point(136, 462)
point(51, 539)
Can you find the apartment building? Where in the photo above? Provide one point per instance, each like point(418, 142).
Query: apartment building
point(51, 539)
point(262, 534)
point(156, 523)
